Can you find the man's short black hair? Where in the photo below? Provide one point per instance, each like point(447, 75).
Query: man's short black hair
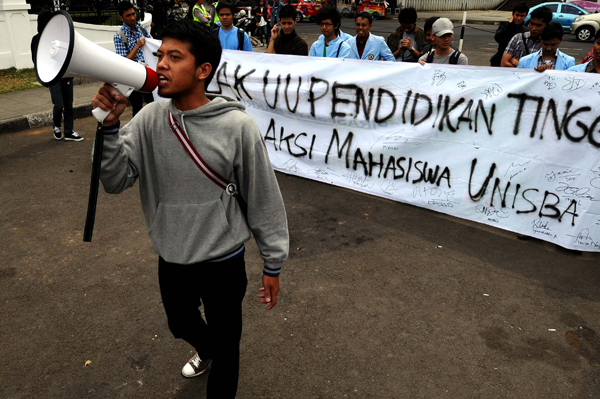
point(521, 7)
point(329, 12)
point(365, 15)
point(225, 4)
point(543, 13)
point(429, 23)
point(124, 6)
point(408, 16)
point(597, 35)
point(203, 44)
point(553, 30)
point(287, 11)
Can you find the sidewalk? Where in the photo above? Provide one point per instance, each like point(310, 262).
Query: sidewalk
point(33, 108)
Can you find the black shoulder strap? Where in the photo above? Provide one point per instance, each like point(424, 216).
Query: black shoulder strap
point(430, 55)
point(454, 57)
point(240, 34)
point(337, 55)
point(525, 43)
point(216, 31)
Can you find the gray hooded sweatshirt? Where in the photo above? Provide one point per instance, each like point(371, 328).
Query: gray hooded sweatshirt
point(189, 218)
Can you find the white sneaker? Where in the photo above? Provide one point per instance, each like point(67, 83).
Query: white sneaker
point(57, 133)
point(73, 137)
point(195, 366)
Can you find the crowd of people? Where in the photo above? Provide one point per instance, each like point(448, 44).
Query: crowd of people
point(535, 46)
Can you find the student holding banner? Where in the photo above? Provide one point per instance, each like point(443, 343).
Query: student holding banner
point(549, 56)
point(329, 43)
point(592, 66)
point(366, 46)
point(443, 53)
point(198, 221)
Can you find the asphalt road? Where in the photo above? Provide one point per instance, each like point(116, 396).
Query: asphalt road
point(379, 299)
point(478, 45)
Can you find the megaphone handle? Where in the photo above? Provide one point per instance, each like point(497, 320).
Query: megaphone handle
point(123, 90)
point(94, 183)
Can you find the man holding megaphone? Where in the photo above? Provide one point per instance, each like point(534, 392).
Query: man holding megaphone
point(198, 221)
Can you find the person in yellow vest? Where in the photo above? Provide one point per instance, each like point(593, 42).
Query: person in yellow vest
point(200, 14)
point(212, 10)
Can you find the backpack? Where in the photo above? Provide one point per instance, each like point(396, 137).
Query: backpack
point(122, 34)
point(453, 58)
point(240, 36)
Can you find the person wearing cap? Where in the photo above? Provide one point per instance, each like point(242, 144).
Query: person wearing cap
point(443, 53)
point(592, 66)
point(549, 56)
point(366, 46)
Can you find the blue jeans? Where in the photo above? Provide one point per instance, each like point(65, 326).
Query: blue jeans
point(263, 31)
point(61, 94)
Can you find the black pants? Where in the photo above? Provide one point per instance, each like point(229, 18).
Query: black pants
point(61, 94)
point(137, 98)
point(221, 288)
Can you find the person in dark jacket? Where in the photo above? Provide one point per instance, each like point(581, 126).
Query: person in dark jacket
point(260, 15)
point(159, 19)
point(507, 30)
point(407, 41)
point(429, 39)
point(287, 40)
point(61, 92)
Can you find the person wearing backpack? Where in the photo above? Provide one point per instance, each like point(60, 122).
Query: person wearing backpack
point(231, 37)
point(443, 53)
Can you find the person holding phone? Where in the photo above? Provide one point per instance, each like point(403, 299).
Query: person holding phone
point(287, 40)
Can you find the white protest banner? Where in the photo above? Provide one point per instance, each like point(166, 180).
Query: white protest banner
point(514, 149)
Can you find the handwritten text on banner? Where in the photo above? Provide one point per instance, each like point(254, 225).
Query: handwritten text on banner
point(518, 150)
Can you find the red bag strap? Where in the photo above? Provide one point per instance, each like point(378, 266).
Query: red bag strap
point(230, 188)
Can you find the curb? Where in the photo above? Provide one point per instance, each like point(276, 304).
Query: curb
point(40, 119)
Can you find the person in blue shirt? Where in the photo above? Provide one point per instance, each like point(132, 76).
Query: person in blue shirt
point(329, 43)
point(592, 66)
point(366, 46)
point(231, 37)
point(549, 56)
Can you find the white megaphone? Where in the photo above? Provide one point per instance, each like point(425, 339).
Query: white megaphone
point(64, 53)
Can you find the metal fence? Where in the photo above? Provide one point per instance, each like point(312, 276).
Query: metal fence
point(451, 5)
